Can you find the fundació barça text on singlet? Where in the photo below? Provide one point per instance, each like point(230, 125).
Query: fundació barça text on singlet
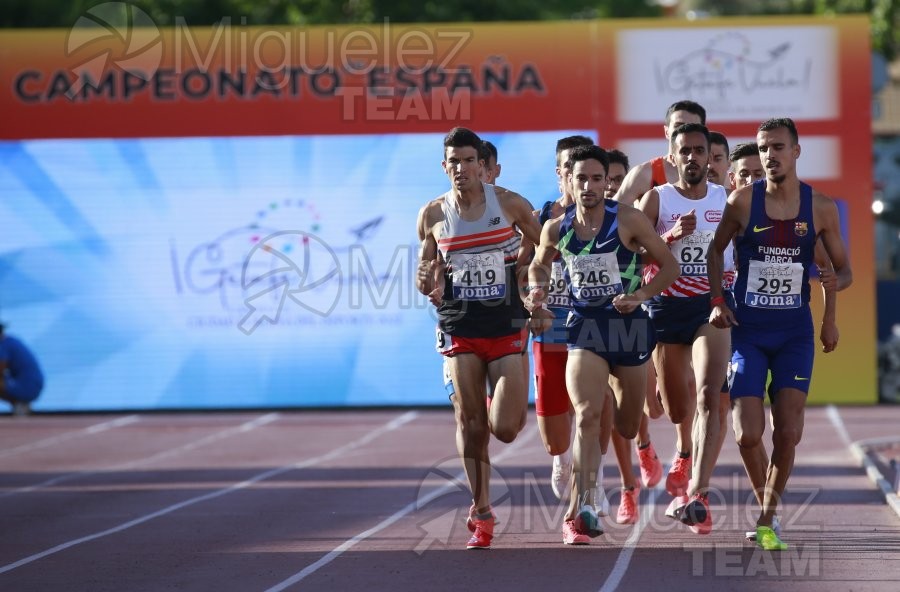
point(481, 298)
point(774, 258)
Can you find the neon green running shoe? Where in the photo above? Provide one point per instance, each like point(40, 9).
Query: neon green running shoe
point(768, 540)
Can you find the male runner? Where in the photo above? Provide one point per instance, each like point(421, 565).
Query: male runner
point(610, 336)
point(775, 225)
point(660, 170)
point(686, 214)
point(718, 159)
point(466, 267)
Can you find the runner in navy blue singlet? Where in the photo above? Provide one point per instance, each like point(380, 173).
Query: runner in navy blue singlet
point(609, 334)
point(775, 224)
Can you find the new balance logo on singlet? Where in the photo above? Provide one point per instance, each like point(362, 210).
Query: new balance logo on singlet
point(494, 221)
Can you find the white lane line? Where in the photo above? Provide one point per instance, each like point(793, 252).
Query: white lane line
point(94, 429)
point(835, 417)
point(408, 509)
point(859, 451)
point(624, 559)
point(337, 452)
point(243, 428)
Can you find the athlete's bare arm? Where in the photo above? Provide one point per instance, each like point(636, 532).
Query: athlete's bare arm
point(637, 234)
point(827, 223)
point(733, 223)
point(829, 333)
point(637, 182)
point(523, 259)
point(519, 211)
point(649, 204)
point(834, 275)
point(539, 276)
point(427, 227)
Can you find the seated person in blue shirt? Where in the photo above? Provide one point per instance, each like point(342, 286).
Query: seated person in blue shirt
point(21, 379)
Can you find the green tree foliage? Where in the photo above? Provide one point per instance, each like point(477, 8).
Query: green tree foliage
point(885, 14)
point(63, 13)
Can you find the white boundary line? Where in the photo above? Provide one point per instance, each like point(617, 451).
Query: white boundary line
point(215, 437)
point(94, 429)
point(859, 450)
point(399, 514)
point(388, 427)
point(624, 559)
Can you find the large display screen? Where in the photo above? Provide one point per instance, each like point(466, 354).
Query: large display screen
point(231, 272)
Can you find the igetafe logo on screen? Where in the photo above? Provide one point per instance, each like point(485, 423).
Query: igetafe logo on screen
point(289, 267)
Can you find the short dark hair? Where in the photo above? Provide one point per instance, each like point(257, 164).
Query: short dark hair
point(582, 153)
point(689, 106)
point(487, 151)
point(777, 122)
point(619, 157)
point(570, 142)
point(689, 128)
point(460, 137)
point(718, 138)
point(743, 150)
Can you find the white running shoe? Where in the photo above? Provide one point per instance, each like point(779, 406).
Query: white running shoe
point(601, 503)
point(561, 476)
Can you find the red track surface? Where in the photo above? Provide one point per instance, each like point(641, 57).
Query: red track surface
point(340, 501)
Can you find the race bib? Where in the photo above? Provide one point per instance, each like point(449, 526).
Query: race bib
point(690, 251)
point(479, 276)
point(774, 285)
point(444, 344)
point(595, 276)
point(558, 291)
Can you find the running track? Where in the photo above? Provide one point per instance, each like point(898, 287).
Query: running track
point(369, 501)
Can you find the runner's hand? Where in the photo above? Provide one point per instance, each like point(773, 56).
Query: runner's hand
point(722, 317)
point(828, 279)
point(685, 225)
point(627, 303)
point(535, 299)
point(541, 320)
point(438, 270)
point(829, 336)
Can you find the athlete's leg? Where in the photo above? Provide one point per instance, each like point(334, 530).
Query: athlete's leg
point(510, 402)
point(622, 447)
point(526, 378)
point(749, 417)
point(724, 407)
point(468, 372)
point(629, 384)
point(674, 378)
point(787, 414)
point(552, 405)
point(673, 363)
point(711, 355)
point(652, 404)
point(606, 427)
point(556, 432)
point(586, 376)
